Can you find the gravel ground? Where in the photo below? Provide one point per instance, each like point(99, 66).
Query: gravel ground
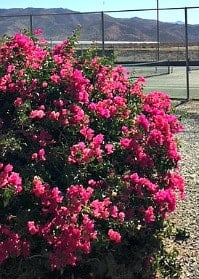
point(186, 217)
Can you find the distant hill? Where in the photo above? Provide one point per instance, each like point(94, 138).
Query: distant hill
point(58, 26)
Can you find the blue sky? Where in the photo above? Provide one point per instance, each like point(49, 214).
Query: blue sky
point(99, 5)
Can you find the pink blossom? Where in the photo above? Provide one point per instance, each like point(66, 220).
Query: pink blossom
point(44, 84)
point(176, 182)
point(100, 209)
point(87, 132)
point(38, 188)
point(125, 143)
point(1, 166)
point(55, 78)
point(121, 216)
point(41, 154)
point(80, 154)
point(18, 102)
point(114, 211)
point(109, 148)
point(37, 114)
point(34, 156)
point(8, 168)
point(56, 195)
point(143, 122)
point(166, 199)
point(97, 140)
point(10, 68)
point(58, 103)
point(12, 244)
point(14, 178)
point(77, 114)
point(125, 129)
point(149, 216)
point(38, 31)
point(58, 60)
point(54, 115)
point(114, 236)
point(21, 72)
point(155, 138)
point(32, 228)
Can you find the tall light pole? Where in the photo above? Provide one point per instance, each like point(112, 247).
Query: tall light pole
point(158, 30)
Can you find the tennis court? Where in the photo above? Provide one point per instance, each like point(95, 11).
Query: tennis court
point(170, 80)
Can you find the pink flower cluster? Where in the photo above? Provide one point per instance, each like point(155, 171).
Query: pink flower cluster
point(10, 179)
point(62, 231)
point(80, 153)
point(12, 244)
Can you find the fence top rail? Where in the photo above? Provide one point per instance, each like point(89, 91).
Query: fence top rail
point(165, 63)
point(107, 42)
point(152, 9)
point(100, 12)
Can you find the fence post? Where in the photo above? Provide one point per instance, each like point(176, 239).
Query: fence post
point(31, 25)
point(187, 52)
point(158, 32)
point(169, 69)
point(102, 18)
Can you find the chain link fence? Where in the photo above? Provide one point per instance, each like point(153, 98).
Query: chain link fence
point(172, 47)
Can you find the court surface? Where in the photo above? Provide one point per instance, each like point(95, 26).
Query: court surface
point(173, 84)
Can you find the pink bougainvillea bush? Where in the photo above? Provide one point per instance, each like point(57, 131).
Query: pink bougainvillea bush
point(89, 165)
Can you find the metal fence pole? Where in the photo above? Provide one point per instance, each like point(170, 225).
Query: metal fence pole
point(187, 52)
point(158, 32)
point(102, 18)
point(31, 24)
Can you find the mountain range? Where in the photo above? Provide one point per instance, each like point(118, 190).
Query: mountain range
point(58, 24)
